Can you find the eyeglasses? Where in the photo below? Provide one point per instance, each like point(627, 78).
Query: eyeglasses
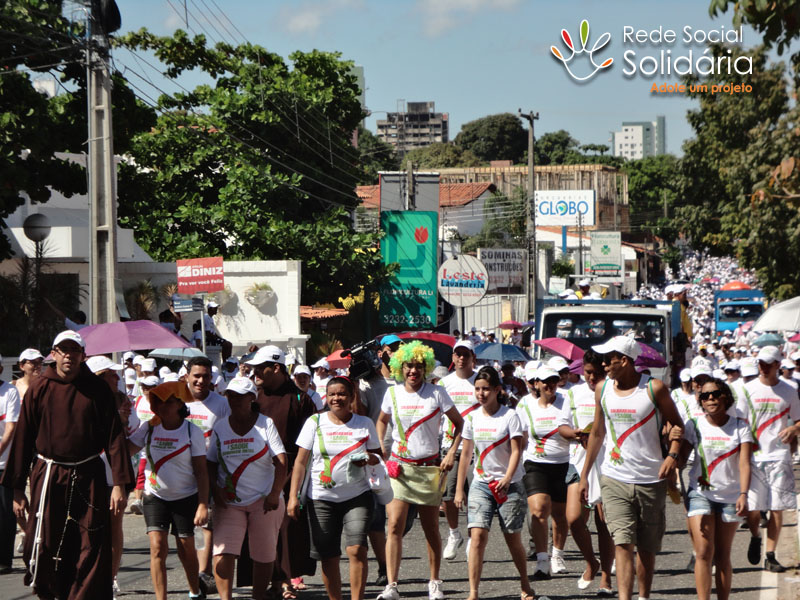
point(716, 394)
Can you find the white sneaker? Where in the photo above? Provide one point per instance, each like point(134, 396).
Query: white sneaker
point(435, 589)
point(389, 592)
point(454, 542)
point(136, 507)
point(20, 544)
point(557, 564)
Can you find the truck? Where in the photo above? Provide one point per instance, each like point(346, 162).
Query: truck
point(589, 323)
point(732, 307)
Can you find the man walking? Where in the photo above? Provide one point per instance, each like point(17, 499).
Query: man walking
point(68, 418)
point(9, 414)
point(631, 408)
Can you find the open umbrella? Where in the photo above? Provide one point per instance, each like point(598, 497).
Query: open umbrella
point(337, 361)
point(175, 353)
point(500, 352)
point(768, 339)
point(735, 285)
point(510, 325)
point(650, 358)
point(561, 347)
point(783, 316)
point(795, 338)
point(128, 335)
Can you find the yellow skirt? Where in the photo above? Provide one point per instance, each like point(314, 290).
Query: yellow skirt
point(419, 485)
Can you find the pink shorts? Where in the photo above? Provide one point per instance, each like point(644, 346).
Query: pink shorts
point(231, 523)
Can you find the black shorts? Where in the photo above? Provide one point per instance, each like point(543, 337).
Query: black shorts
point(173, 516)
point(329, 520)
point(546, 478)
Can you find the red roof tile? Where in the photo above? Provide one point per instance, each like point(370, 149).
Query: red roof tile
point(314, 313)
point(450, 194)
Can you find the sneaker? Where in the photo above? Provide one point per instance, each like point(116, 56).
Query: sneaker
point(542, 572)
point(435, 589)
point(389, 592)
point(690, 564)
point(208, 585)
point(115, 588)
point(382, 579)
point(136, 507)
point(454, 542)
point(754, 551)
point(558, 565)
point(773, 566)
point(20, 544)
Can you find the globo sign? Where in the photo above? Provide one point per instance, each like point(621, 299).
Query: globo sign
point(568, 207)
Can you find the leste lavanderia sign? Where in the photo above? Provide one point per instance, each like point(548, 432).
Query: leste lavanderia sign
point(409, 300)
point(463, 280)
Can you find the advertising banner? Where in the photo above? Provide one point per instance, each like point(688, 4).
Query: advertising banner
point(200, 275)
point(565, 207)
point(409, 301)
point(606, 252)
point(506, 268)
point(463, 280)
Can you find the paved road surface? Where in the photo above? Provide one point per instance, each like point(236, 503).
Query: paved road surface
point(672, 581)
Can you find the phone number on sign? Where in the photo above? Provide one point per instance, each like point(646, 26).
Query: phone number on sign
point(406, 319)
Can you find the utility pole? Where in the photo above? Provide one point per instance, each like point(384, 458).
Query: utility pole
point(411, 199)
point(102, 173)
point(533, 257)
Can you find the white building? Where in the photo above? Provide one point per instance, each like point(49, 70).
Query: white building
point(639, 139)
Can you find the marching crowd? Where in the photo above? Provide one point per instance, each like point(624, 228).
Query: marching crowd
point(279, 465)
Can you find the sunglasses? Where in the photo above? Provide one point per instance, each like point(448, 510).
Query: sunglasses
point(716, 394)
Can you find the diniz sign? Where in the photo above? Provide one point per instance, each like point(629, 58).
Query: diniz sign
point(463, 280)
point(200, 275)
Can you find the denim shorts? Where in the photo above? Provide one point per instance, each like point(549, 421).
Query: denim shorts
point(572, 475)
point(483, 506)
point(699, 505)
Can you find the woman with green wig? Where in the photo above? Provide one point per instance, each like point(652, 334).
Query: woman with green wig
point(415, 409)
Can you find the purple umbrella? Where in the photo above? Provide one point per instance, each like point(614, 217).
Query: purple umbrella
point(576, 366)
point(650, 357)
point(561, 347)
point(128, 335)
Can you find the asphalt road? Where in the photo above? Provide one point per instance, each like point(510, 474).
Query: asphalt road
point(672, 581)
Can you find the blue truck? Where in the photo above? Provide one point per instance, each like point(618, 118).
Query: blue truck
point(732, 307)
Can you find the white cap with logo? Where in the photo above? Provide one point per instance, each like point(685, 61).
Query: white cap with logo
point(322, 363)
point(464, 344)
point(30, 354)
point(100, 363)
point(69, 336)
point(242, 385)
point(267, 354)
point(749, 367)
point(302, 370)
point(621, 344)
point(769, 354)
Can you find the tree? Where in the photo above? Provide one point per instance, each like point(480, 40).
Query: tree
point(256, 165)
point(441, 156)
point(496, 137)
point(374, 155)
point(557, 148)
point(652, 181)
point(778, 20)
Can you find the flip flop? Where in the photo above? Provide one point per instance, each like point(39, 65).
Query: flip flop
point(605, 593)
point(584, 583)
point(297, 583)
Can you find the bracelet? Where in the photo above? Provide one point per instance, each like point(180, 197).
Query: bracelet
point(743, 493)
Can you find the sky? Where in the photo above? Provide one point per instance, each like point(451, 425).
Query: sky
point(471, 57)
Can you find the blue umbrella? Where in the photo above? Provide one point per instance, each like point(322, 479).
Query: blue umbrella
point(768, 339)
point(500, 352)
point(176, 353)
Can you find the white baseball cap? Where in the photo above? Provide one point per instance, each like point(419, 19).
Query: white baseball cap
point(483, 329)
point(749, 367)
point(151, 381)
point(531, 367)
point(544, 372)
point(242, 385)
point(212, 304)
point(701, 368)
point(168, 377)
point(732, 365)
point(622, 344)
point(564, 293)
point(787, 364)
point(302, 370)
point(30, 354)
point(795, 356)
point(725, 341)
point(71, 336)
point(558, 363)
point(267, 354)
point(322, 363)
point(164, 371)
point(769, 354)
point(101, 363)
point(130, 377)
point(464, 344)
point(137, 360)
point(128, 356)
point(149, 364)
point(718, 374)
point(686, 375)
point(584, 283)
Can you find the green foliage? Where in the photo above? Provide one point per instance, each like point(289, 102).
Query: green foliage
point(651, 181)
point(374, 155)
point(563, 267)
point(256, 165)
point(441, 156)
point(505, 223)
point(778, 21)
point(495, 137)
point(557, 148)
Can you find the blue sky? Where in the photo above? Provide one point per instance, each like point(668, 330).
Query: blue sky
point(472, 57)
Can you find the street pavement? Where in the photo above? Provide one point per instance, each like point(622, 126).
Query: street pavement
point(671, 581)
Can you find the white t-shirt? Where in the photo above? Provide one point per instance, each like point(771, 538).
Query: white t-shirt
point(133, 424)
point(417, 419)
point(462, 393)
point(329, 456)
point(170, 454)
point(205, 413)
point(772, 407)
point(209, 324)
point(255, 450)
point(720, 467)
point(580, 399)
point(485, 430)
point(687, 405)
point(316, 399)
point(545, 444)
point(9, 413)
point(791, 382)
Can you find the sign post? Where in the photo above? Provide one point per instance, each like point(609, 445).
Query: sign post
point(201, 275)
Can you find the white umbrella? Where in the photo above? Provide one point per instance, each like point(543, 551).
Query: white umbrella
point(783, 316)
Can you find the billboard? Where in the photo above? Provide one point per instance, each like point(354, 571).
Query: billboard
point(409, 300)
point(200, 275)
point(506, 268)
point(606, 253)
point(565, 207)
point(463, 280)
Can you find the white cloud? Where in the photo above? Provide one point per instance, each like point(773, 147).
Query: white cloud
point(307, 18)
point(441, 15)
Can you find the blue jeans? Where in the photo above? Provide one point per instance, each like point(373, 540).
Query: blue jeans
point(699, 505)
point(482, 506)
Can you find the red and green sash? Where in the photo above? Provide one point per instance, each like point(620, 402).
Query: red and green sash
point(616, 452)
point(231, 479)
point(706, 469)
point(402, 446)
point(539, 442)
point(484, 454)
point(326, 477)
point(155, 466)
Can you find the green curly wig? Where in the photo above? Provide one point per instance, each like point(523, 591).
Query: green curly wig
point(413, 352)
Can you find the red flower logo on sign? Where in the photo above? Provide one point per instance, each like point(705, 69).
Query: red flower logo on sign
point(421, 235)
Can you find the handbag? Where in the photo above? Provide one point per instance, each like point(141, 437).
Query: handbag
point(379, 482)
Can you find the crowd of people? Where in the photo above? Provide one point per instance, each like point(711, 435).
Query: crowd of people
point(279, 463)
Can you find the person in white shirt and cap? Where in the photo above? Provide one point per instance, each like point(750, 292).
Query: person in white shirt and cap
point(30, 363)
point(302, 377)
point(213, 338)
point(474, 337)
point(560, 365)
point(583, 288)
point(322, 374)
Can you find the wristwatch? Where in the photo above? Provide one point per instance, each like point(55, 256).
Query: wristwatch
point(673, 455)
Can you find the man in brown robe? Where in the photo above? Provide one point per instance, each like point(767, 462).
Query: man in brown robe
point(68, 418)
point(288, 407)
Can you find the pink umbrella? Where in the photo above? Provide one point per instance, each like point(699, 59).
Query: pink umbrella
point(650, 357)
point(128, 335)
point(510, 325)
point(561, 347)
point(747, 326)
point(576, 366)
point(795, 338)
point(337, 361)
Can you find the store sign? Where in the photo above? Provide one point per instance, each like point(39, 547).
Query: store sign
point(565, 207)
point(506, 268)
point(463, 280)
point(409, 300)
point(200, 275)
point(606, 252)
